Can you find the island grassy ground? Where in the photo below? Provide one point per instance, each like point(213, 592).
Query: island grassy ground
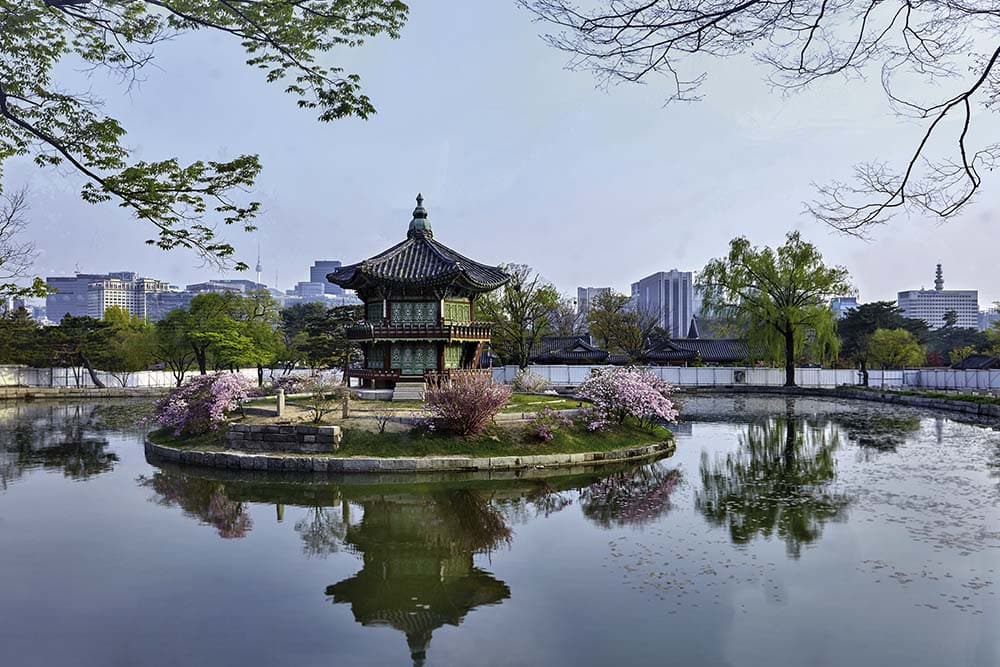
point(498, 440)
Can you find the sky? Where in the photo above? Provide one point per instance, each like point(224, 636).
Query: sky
point(518, 159)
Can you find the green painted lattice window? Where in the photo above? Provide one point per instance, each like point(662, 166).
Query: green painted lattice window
point(414, 312)
point(457, 311)
point(375, 311)
point(414, 358)
point(453, 356)
point(376, 356)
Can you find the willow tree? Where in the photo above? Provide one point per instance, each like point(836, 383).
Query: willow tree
point(56, 126)
point(780, 295)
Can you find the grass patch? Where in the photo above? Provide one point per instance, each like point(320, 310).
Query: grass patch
point(536, 402)
point(497, 441)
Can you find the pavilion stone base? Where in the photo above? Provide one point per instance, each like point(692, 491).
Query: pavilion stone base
point(372, 394)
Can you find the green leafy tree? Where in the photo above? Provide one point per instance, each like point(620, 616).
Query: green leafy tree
point(259, 316)
point(210, 327)
point(943, 340)
point(621, 329)
point(130, 345)
point(79, 342)
point(59, 127)
point(781, 296)
point(895, 348)
point(316, 335)
point(171, 346)
point(19, 337)
point(950, 318)
point(960, 354)
point(857, 326)
point(519, 312)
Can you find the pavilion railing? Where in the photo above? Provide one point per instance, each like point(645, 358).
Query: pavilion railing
point(467, 331)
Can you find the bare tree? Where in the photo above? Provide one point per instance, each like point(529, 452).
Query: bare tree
point(942, 53)
point(16, 254)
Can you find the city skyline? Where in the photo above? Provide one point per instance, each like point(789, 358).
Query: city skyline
point(533, 180)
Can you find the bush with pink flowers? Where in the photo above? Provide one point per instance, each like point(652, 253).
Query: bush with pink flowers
point(621, 393)
point(466, 404)
point(201, 404)
point(543, 424)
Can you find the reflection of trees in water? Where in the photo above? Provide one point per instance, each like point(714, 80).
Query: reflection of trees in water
point(777, 482)
point(323, 529)
point(876, 431)
point(631, 497)
point(53, 437)
point(202, 499)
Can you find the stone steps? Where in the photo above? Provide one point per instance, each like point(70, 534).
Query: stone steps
point(409, 391)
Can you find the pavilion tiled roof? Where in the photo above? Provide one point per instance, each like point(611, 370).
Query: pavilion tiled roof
point(419, 261)
point(978, 362)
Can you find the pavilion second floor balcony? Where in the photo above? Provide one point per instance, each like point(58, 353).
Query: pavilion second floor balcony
point(443, 331)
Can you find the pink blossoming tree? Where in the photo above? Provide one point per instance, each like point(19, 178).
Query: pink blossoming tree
point(620, 393)
point(200, 405)
point(466, 404)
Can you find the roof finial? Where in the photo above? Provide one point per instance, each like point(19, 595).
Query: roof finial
point(420, 226)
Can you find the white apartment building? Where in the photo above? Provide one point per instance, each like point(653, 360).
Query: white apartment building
point(125, 290)
point(932, 305)
point(669, 295)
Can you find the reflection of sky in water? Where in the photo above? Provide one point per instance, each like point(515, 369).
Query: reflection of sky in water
point(784, 533)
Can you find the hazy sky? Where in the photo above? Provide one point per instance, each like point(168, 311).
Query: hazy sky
point(518, 160)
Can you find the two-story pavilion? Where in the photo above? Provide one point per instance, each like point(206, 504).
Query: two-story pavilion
point(420, 312)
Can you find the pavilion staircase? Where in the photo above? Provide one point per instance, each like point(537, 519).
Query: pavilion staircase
point(409, 391)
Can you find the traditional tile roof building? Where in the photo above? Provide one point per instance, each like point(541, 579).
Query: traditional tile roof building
point(573, 350)
point(419, 300)
point(978, 362)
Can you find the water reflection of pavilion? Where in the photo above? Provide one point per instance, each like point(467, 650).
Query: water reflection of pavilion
point(418, 572)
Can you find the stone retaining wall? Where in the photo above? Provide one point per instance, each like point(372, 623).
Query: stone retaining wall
point(984, 410)
point(357, 464)
point(62, 393)
point(283, 438)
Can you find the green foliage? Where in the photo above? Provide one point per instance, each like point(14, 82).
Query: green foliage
point(316, 336)
point(945, 339)
point(960, 354)
point(895, 348)
point(19, 338)
point(520, 313)
point(856, 328)
point(58, 127)
point(781, 296)
point(622, 330)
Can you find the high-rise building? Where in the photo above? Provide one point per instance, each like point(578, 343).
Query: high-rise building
point(125, 290)
point(841, 305)
point(221, 286)
point(931, 306)
point(318, 272)
point(585, 297)
point(669, 296)
point(68, 295)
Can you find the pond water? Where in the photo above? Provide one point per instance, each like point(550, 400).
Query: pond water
point(781, 532)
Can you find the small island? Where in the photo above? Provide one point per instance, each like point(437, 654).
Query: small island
point(426, 401)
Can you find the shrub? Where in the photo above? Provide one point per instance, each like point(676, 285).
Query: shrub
point(527, 382)
point(544, 423)
point(200, 405)
point(466, 404)
point(620, 393)
point(324, 396)
point(292, 384)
